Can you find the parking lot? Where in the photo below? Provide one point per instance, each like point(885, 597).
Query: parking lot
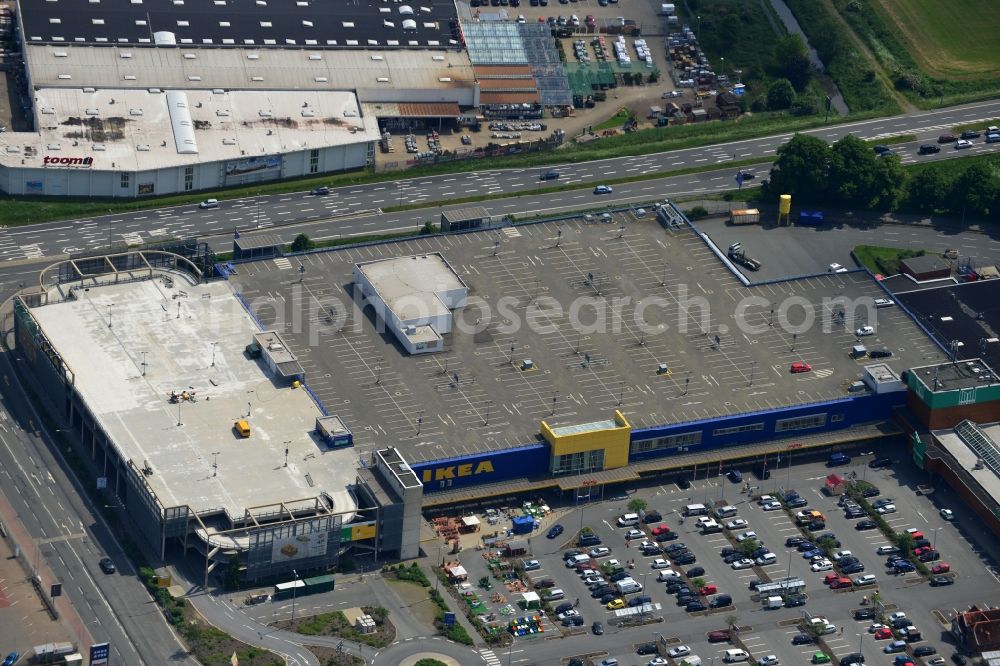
point(962, 544)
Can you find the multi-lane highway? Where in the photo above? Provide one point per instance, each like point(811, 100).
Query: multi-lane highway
point(72, 539)
point(358, 210)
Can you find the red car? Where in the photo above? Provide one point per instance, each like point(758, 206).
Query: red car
point(883, 634)
point(923, 549)
point(829, 578)
point(718, 636)
point(659, 529)
point(917, 535)
point(944, 567)
point(708, 590)
point(842, 581)
point(800, 367)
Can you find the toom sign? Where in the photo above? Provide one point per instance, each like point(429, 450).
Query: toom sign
point(68, 161)
point(457, 471)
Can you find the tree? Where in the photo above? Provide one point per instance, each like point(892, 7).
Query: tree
point(852, 171)
point(636, 505)
point(929, 190)
point(749, 545)
point(231, 579)
point(889, 183)
point(302, 243)
point(790, 59)
point(780, 95)
point(801, 169)
point(975, 190)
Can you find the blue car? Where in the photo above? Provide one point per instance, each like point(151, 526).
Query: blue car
point(11, 659)
point(809, 554)
point(806, 545)
point(555, 531)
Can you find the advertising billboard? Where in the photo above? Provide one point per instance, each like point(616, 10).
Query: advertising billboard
point(236, 170)
point(299, 546)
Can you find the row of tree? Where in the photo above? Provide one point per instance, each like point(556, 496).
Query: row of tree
point(850, 174)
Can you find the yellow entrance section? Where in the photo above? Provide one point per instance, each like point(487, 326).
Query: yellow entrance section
point(611, 436)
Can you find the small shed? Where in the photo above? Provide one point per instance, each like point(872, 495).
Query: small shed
point(655, 111)
point(465, 218)
point(523, 524)
point(925, 267)
point(256, 246)
point(515, 548)
point(470, 524)
point(456, 572)
point(530, 600)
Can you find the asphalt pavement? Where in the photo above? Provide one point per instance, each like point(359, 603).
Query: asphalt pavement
point(72, 538)
point(358, 210)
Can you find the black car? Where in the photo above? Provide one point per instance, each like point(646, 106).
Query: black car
point(676, 548)
point(857, 567)
point(797, 502)
point(852, 658)
point(597, 628)
point(747, 175)
point(685, 599)
point(601, 591)
point(618, 576)
point(849, 559)
point(646, 648)
point(929, 148)
point(853, 514)
point(871, 491)
point(729, 550)
point(939, 581)
point(794, 541)
point(803, 639)
point(883, 150)
point(544, 583)
point(721, 601)
point(762, 473)
point(924, 651)
point(554, 531)
point(683, 483)
point(969, 134)
point(107, 566)
point(920, 543)
point(667, 536)
point(816, 525)
point(695, 606)
point(864, 614)
point(686, 558)
point(608, 598)
point(652, 549)
point(959, 659)
point(793, 601)
point(675, 587)
point(320, 191)
point(695, 572)
point(865, 525)
point(729, 559)
point(652, 517)
point(575, 621)
point(760, 552)
point(574, 661)
point(929, 556)
point(902, 623)
point(562, 608)
point(549, 175)
point(734, 475)
point(880, 463)
point(754, 583)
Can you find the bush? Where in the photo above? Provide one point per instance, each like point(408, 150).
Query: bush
point(414, 574)
point(696, 213)
point(457, 633)
point(302, 243)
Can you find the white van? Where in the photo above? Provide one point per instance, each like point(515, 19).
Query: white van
point(726, 511)
point(734, 655)
point(628, 520)
point(577, 559)
point(555, 594)
point(666, 574)
point(695, 510)
point(628, 586)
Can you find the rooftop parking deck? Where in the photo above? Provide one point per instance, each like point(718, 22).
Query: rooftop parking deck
point(567, 322)
point(132, 346)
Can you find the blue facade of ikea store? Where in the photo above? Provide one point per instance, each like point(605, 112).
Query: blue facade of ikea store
point(533, 460)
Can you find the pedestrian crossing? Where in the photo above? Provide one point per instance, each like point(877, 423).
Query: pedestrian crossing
point(282, 263)
point(511, 232)
point(490, 657)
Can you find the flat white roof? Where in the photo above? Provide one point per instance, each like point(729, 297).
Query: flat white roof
point(135, 408)
point(131, 130)
point(409, 286)
point(968, 458)
point(249, 68)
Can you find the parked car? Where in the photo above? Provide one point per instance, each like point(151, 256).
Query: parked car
point(864, 614)
point(555, 531)
point(864, 331)
point(924, 650)
point(737, 524)
point(796, 368)
point(11, 659)
point(802, 639)
point(742, 563)
point(941, 581)
point(797, 503)
point(947, 514)
point(695, 572)
point(531, 565)
point(718, 636)
point(865, 525)
point(880, 463)
point(894, 647)
point(679, 651)
point(795, 541)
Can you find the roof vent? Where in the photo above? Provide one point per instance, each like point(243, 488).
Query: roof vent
point(143, 147)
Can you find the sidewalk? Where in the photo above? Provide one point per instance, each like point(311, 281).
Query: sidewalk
point(453, 604)
point(21, 542)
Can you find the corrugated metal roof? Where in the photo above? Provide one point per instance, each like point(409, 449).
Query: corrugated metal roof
point(428, 109)
point(508, 98)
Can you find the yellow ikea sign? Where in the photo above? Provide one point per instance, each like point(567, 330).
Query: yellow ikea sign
point(456, 471)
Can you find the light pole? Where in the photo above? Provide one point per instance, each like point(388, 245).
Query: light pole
point(214, 346)
point(295, 587)
point(861, 639)
point(934, 540)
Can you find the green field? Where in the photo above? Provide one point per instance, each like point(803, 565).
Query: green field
point(953, 38)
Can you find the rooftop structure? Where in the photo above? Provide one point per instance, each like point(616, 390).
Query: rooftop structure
point(413, 296)
point(139, 130)
point(267, 23)
point(161, 366)
point(567, 323)
point(376, 76)
point(964, 314)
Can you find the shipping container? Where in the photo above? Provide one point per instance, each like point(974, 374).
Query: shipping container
point(744, 216)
